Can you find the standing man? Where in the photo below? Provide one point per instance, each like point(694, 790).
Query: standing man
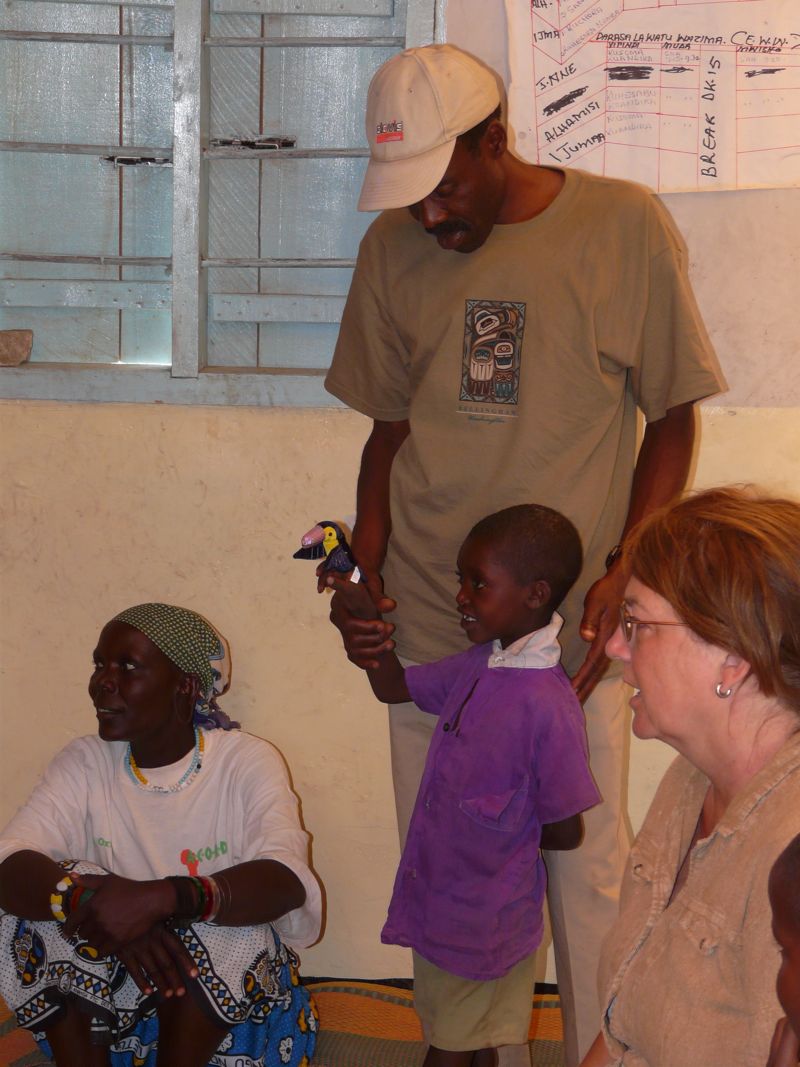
point(501, 330)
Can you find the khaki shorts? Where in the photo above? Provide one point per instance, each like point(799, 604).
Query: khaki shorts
point(459, 1015)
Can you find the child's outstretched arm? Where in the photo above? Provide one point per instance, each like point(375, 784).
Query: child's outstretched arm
point(564, 835)
point(386, 674)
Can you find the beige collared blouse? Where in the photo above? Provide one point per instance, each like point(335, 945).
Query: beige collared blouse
point(692, 983)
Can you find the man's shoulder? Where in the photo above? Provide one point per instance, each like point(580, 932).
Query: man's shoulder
point(611, 193)
point(619, 210)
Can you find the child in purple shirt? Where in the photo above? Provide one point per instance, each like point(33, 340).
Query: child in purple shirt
point(507, 772)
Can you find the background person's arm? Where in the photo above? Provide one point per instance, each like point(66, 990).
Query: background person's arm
point(562, 836)
point(662, 468)
point(785, 1048)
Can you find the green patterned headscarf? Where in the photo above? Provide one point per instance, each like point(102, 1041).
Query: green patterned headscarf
point(195, 646)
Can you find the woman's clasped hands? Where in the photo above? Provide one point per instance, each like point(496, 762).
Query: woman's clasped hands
point(129, 919)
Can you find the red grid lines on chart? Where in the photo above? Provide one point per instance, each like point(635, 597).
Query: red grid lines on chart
point(669, 114)
point(767, 115)
point(560, 27)
point(648, 5)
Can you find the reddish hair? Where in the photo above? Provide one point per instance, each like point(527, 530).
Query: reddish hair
point(728, 561)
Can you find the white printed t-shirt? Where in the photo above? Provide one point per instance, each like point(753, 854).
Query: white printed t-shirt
point(239, 807)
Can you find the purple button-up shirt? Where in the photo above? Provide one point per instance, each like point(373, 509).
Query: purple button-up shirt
point(508, 755)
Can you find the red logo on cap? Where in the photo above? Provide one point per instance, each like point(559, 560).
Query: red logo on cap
point(389, 131)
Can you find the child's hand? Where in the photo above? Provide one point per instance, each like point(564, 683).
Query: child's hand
point(365, 635)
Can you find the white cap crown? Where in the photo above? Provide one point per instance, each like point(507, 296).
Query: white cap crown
point(418, 103)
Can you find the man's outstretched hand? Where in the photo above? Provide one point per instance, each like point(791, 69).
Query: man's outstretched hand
point(356, 610)
point(600, 620)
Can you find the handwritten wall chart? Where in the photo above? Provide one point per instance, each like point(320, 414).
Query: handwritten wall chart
point(679, 95)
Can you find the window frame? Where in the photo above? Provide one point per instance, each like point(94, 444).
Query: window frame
point(187, 380)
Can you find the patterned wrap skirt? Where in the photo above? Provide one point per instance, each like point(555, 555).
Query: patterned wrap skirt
point(248, 981)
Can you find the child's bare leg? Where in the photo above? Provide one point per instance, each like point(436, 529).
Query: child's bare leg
point(69, 1040)
point(439, 1057)
point(485, 1057)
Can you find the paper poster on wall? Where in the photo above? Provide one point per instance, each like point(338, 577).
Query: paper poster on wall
point(678, 94)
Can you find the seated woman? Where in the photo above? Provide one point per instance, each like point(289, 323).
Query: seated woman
point(182, 949)
point(710, 639)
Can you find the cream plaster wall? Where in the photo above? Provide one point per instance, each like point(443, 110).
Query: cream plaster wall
point(107, 505)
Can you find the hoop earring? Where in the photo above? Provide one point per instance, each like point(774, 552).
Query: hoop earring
point(723, 694)
point(180, 712)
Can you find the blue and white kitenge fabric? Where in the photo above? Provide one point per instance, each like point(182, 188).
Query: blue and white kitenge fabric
point(250, 983)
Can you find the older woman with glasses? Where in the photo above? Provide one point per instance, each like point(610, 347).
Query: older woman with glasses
point(709, 638)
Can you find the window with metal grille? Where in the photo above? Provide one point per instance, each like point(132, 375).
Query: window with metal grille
point(177, 191)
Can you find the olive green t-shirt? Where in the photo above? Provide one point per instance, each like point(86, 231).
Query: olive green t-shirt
point(520, 367)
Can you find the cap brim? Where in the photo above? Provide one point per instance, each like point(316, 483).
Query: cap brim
point(402, 182)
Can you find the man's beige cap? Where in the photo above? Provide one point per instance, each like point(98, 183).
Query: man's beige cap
point(417, 105)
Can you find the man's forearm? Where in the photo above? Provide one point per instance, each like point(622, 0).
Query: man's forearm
point(662, 465)
point(373, 518)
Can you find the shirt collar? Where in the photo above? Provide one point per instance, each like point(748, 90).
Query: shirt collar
point(783, 763)
point(533, 651)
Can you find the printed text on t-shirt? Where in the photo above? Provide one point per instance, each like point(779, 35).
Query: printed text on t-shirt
point(192, 860)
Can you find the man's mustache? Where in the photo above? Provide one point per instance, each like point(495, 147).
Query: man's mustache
point(444, 228)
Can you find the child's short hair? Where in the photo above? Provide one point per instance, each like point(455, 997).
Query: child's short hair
point(785, 876)
point(535, 542)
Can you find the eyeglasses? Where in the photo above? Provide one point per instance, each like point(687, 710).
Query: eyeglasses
point(629, 623)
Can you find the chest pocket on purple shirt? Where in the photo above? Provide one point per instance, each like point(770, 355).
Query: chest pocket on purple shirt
point(498, 811)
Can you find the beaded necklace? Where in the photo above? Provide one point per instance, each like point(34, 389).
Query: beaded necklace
point(188, 775)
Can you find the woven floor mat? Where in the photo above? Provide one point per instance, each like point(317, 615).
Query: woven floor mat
point(362, 1024)
point(371, 1025)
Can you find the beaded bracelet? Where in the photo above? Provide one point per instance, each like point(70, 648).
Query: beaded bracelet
point(224, 891)
point(200, 904)
point(188, 903)
point(213, 900)
point(217, 899)
point(68, 896)
point(79, 895)
point(196, 897)
point(57, 899)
